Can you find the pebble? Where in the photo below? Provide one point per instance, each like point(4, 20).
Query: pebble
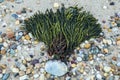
point(17, 22)
point(112, 3)
point(104, 7)
point(107, 69)
point(15, 70)
point(3, 51)
point(1, 75)
point(118, 64)
point(21, 73)
point(99, 76)
point(5, 44)
point(23, 68)
point(36, 76)
point(25, 77)
point(10, 35)
point(5, 76)
point(42, 77)
point(28, 71)
point(56, 5)
point(27, 37)
point(87, 45)
point(1, 40)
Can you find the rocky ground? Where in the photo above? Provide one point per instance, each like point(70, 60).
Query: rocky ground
point(24, 58)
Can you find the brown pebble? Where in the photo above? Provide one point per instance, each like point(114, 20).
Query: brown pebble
point(3, 51)
point(10, 35)
point(114, 58)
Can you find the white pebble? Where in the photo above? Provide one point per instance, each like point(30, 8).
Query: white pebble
point(24, 77)
point(36, 76)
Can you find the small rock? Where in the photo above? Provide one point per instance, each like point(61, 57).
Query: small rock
point(21, 73)
point(27, 37)
point(107, 69)
point(15, 70)
point(5, 76)
point(42, 70)
point(104, 7)
point(1, 40)
point(79, 59)
point(23, 68)
point(36, 76)
point(118, 64)
point(42, 77)
point(35, 61)
point(4, 24)
point(28, 71)
point(118, 42)
point(99, 76)
point(14, 16)
point(10, 35)
point(112, 3)
point(25, 77)
point(3, 35)
point(56, 5)
point(5, 44)
point(73, 65)
point(87, 46)
point(1, 75)
point(28, 59)
point(3, 51)
point(114, 58)
point(105, 50)
point(17, 22)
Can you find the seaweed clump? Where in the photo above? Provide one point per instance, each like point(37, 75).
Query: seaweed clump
point(62, 31)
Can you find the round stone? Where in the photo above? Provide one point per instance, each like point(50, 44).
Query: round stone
point(87, 45)
point(99, 76)
point(5, 44)
point(56, 68)
point(107, 69)
point(79, 59)
point(15, 70)
point(3, 51)
point(104, 7)
point(27, 37)
point(56, 5)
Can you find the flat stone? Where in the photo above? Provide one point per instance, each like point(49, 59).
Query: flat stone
point(56, 68)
